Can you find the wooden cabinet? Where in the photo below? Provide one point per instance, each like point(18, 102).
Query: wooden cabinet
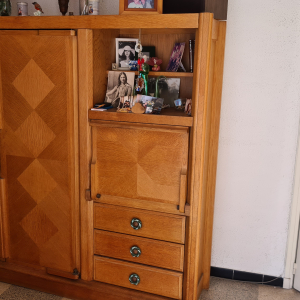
point(38, 154)
point(126, 200)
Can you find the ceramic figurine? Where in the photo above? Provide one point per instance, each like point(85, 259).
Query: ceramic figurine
point(140, 63)
point(133, 65)
point(38, 8)
point(155, 63)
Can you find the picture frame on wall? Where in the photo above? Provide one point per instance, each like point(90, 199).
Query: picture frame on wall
point(125, 52)
point(141, 6)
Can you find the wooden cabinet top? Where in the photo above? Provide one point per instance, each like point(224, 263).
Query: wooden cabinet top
point(102, 22)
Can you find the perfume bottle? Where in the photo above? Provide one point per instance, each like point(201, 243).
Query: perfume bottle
point(5, 8)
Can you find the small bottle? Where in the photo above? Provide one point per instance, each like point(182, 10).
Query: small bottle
point(5, 8)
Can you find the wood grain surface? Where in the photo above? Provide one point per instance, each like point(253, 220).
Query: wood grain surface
point(140, 162)
point(79, 289)
point(154, 253)
point(168, 116)
point(152, 280)
point(37, 81)
point(165, 227)
point(85, 77)
point(101, 22)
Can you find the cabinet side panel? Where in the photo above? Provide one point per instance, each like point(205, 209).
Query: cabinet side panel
point(213, 149)
point(39, 146)
point(198, 155)
point(85, 71)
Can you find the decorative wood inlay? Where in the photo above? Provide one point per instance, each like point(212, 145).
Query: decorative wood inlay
point(38, 137)
point(33, 84)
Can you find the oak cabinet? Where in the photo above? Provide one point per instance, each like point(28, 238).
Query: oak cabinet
point(115, 206)
point(39, 165)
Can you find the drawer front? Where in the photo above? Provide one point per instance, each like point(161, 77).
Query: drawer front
point(139, 250)
point(148, 224)
point(150, 279)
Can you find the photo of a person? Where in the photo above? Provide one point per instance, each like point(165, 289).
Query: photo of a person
point(120, 84)
point(144, 4)
point(176, 57)
point(125, 52)
point(126, 56)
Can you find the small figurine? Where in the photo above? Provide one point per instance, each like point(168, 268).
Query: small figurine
point(133, 65)
point(155, 63)
point(140, 63)
point(139, 86)
point(38, 8)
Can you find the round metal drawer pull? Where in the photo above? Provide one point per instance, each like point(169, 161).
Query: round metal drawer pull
point(135, 251)
point(136, 223)
point(134, 279)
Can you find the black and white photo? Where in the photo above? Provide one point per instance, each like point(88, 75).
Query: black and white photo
point(125, 52)
point(120, 84)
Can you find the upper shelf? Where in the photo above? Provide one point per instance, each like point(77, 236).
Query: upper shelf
point(102, 22)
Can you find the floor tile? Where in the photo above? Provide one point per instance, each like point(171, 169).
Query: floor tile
point(3, 287)
point(276, 293)
point(226, 289)
point(19, 293)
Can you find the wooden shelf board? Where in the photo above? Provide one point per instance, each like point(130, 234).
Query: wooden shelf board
point(159, 21)
point(166, 74)
point(168, 116)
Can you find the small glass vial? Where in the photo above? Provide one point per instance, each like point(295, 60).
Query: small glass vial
point(22, 8)
point(5, 8)
point(93, 7)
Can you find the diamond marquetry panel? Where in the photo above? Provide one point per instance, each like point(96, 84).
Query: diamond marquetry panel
point(16, 108)
point(140, 163)
point(13, 145)
point(33, 84)
point(38, 139)
point(14, 59)
point(38, 226)
point(35, 134)
point(31, 49)
point(37, 181)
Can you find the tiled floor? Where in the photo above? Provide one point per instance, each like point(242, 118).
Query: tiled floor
point(220, 289)
point(226, 289)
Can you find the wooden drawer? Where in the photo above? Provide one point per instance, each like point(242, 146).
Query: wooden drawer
point(155, 253)
point(158, 226)
point(153, 280)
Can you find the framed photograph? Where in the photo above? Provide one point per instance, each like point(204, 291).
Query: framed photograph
point(119, 85)
point(176, 57)
point(141, 6)
point(125, 52)
point(147, 50)
point(168, 89)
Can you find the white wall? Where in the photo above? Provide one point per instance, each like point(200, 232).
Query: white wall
point(258, 136)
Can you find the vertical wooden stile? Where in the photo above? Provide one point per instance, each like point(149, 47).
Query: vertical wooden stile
point(85, 77)
point(198, 154)
point(213, 148)
point(74, 111)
